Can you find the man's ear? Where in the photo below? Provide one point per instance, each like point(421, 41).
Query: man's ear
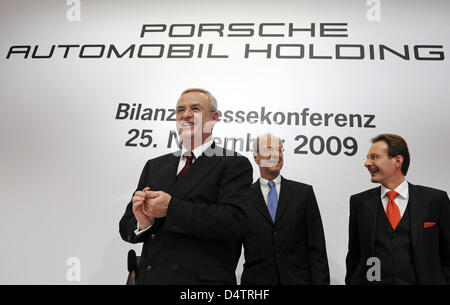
point(208, 127)
point(255, 158)
point(398, 161)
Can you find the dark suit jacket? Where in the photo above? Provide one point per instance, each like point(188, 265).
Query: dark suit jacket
point(293, 246)
point(430, 246)
point(198, 240)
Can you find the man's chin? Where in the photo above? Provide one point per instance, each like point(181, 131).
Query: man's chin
point(273, 170)
point(269, 165)
point(375, 180)
point(186, 133)
point(190, 138)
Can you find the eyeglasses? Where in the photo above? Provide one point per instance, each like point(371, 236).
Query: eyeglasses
point(374, 157)
point(193, 108)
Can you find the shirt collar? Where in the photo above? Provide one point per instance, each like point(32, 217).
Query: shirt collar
point(402, 190)
point(264, 182)
point(198, 151)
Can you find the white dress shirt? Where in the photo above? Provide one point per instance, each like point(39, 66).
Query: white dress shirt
point(198, 151)
point(401, 200)
point(265, 187)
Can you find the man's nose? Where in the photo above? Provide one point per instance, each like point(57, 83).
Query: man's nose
point(274, 155)
point(188, 113)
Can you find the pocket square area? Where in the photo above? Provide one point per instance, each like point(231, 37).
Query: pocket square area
point(428, 224)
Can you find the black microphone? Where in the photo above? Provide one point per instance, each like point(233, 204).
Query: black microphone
point(132, 267)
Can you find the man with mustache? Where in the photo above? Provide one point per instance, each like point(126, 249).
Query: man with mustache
point(406, 227)
point(189, 208)
point(284, 243)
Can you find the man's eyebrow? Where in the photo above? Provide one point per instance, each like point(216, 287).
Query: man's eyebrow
point(195, 104)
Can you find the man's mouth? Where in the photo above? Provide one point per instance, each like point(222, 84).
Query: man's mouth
point(271, 162)
point(373, 171)
point(187, 124)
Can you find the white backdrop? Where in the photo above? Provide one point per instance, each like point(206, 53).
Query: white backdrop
point(66, 173)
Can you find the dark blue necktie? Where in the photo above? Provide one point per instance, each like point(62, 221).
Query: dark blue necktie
point(272, 199)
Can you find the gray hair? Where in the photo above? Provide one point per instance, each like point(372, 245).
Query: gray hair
point(256, 141)
point(212, 100)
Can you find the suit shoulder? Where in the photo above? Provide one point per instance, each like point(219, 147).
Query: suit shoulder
point(164, 157)
point(297, 184)
point(428, 191)
point(224, 152)
point(231, 155)
point(366, 194)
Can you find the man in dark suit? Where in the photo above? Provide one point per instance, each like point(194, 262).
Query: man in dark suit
point(188, 208)
point(284, 243)
point(399, 233)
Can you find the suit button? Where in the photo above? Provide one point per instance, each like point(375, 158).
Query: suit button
point(274, 233)
point(149, 268)
point(277, 255)
point(175, 267)
point(153, 236)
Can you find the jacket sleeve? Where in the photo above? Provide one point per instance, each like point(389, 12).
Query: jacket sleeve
point(128, 223)
point(353, 254)
point(444, 235)
point(225, 219)
point(317, 253)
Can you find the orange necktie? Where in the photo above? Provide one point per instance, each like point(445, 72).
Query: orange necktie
point(392, 210)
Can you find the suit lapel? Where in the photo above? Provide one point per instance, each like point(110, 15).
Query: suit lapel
point(259, 202)
point(371, 207)
point(168, 172)
point(198, 170)
point(284, 198)
point(417, 211)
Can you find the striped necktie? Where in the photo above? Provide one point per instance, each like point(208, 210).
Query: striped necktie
point(189, 158)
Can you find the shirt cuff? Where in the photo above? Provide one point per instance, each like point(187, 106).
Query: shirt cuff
point(138, 232)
